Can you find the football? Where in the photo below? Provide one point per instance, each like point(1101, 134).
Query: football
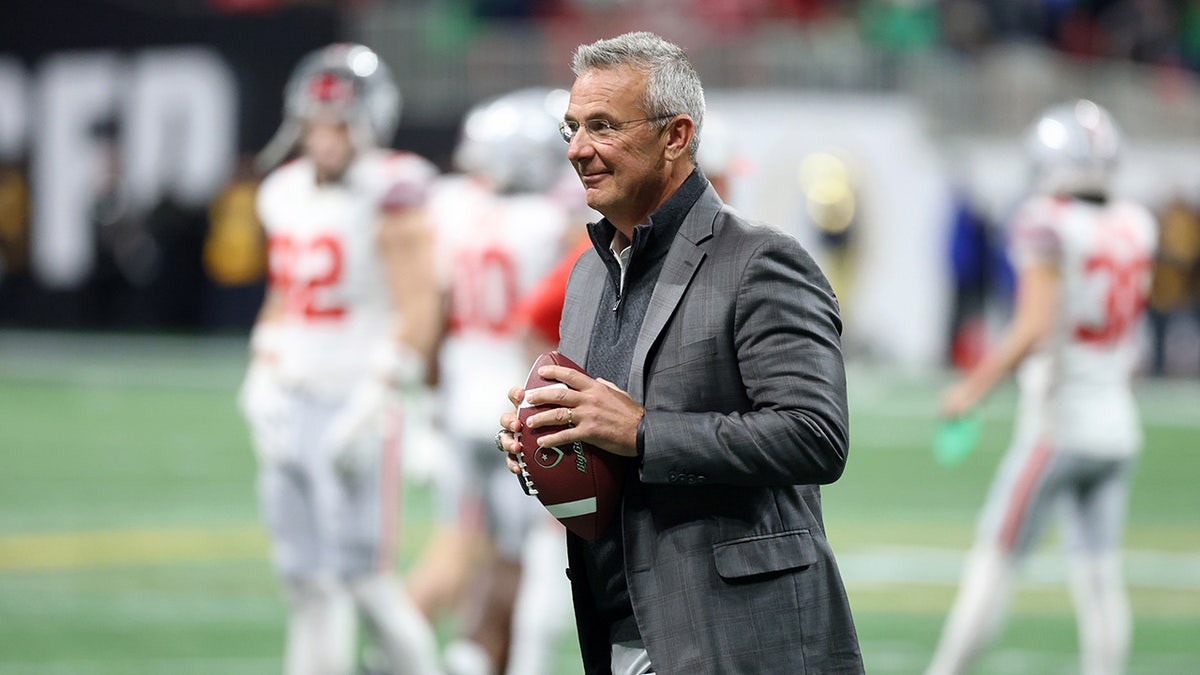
point(579, 484)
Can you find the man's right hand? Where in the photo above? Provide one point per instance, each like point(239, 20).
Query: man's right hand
point(511, 426)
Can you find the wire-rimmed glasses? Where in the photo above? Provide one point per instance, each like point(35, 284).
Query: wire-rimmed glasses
point(600, 129)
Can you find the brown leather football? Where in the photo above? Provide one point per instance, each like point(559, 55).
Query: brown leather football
point(579, 484)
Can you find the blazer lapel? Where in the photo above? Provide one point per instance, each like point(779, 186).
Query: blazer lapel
point(685, 256)
point(584, 293)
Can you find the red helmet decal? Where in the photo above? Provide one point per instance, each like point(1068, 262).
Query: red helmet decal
point(329, 88)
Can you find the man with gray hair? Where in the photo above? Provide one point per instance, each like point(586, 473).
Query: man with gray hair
point(712, 347)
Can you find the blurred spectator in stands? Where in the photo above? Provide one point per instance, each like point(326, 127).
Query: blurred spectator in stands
point(127, 257)
point(1141, 30)
point(897, 28)
point(509, 9)
point(966, 25)
point(972, 251)
point(1188, 27)
point(1176, 285)
point(14, 239)
point(833, 204)
point(899, 25)
point(234, 253)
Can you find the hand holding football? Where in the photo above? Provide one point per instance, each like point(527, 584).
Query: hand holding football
point(579, 484)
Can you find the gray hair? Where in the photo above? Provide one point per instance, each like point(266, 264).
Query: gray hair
point(672, 85)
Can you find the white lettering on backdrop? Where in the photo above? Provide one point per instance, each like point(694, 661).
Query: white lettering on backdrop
point(174, 111)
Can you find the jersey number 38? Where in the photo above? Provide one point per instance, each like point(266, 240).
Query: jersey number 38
point(1124, 280)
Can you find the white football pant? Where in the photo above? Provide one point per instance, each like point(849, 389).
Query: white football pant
point(978, 610)
point(402, 632)
point(320, 629)
point(1102, 610)
point(543, 607)
point(466, 657)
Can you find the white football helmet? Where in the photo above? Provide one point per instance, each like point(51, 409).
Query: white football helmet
point(514, 141)
point(344, 80)
point(1074, 148)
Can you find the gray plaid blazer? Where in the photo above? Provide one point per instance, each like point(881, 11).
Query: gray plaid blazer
point(739, 366)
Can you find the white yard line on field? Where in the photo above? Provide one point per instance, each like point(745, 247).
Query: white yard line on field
point(937, 566)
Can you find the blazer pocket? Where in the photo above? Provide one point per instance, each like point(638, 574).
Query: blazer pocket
point(764, 554)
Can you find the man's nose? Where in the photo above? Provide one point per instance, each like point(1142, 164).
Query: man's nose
point(580, 147)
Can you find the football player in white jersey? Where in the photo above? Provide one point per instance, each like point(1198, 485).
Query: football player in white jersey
point(1083, 259)
point(501, 223)
point(349, 320)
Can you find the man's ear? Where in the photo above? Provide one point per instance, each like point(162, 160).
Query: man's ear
point(680, 130)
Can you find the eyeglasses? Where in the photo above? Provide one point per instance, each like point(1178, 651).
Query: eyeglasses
point(600, 129)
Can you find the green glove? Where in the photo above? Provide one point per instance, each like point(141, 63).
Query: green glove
point(954, 439)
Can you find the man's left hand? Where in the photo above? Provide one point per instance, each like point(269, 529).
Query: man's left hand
point(595, 410)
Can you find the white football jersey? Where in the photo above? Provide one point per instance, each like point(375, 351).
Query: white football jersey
point(325, 261)
point(1076, 385)
point(493, 249)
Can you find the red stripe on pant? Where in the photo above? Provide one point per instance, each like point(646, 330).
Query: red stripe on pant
point(390, 476)
point(1017, 506)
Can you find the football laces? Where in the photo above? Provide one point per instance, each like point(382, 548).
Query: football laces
point(526, 479)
